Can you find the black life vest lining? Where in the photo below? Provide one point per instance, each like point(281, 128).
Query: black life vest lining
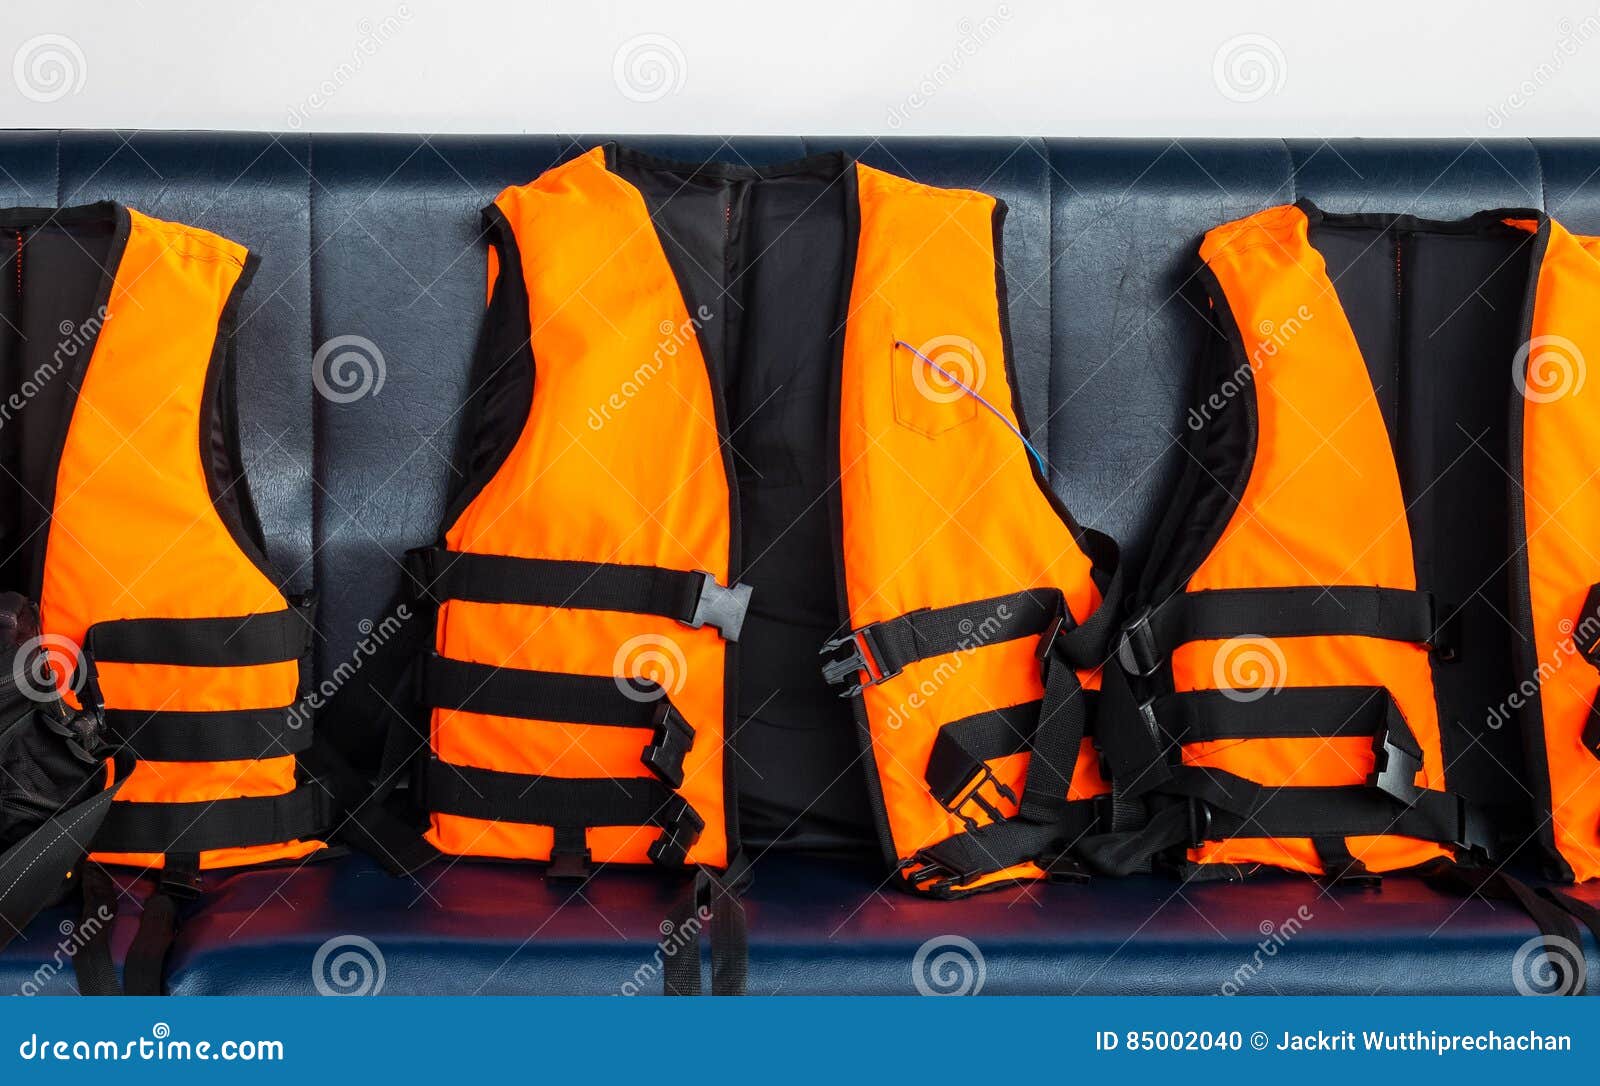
point(762, 252)
point(51, 280)
point(1437, 311)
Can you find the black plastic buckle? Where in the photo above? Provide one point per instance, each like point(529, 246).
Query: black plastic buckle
point(721, 607)
point(971, 791)
point(421, 569)
point(1045, 649)
point(862, 659)
point(1062, 868)
point(1137, 652)
point(1395, 770)
point(1444, 643)
point(1199, 822)
point(680, 829)
point(930, 876)
point(574, 864)
point(180, 881)
point(674, 736)
point(1476, 835)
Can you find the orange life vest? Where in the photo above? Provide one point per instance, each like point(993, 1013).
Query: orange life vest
point(584, 677)
point(1335, 602)
point(138, 537)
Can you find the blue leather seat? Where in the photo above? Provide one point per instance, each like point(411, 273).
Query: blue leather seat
point(378, 236)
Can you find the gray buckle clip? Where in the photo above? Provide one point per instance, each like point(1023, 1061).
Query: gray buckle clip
point(721, 607)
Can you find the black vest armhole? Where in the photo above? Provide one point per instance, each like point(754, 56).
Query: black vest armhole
point(1220, 449)
point(500, 385)
point(220, 450)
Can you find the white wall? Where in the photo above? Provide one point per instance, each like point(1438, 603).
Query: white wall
point(808, 66)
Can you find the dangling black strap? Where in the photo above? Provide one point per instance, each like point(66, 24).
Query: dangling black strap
point(93, 966)
point(1563, 943)
point(144, 971)
point(1581, 910)
point(710, 900)
point(1339, 865)
point(1065, 648)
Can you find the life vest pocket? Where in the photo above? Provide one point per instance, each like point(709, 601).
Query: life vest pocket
point(936, 382)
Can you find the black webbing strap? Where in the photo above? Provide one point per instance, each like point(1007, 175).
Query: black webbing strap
point(1336, 610)
point(1065, 649)
point(693, 598)
point(557, 696)
point(144, 970)
point(710, 901)
point(220, 736)
point(881, 650)
point(1199, 804)
point(957, 765)
point(1294, 712)
point(1236, 807)
point(367, 821)
point(495, 796)
point(942, 869)
point(1340, 866)
point(1579, 910)
point(92, 965)
point(208, 824)
point(1563, 943)
point(270, 637)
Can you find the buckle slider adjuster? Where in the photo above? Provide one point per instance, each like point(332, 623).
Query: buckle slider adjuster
point(1137, 652)
point(862, 659)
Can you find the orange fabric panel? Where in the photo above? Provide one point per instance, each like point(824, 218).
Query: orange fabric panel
point(134, 533)
point(940, 503)
point(1560, 448)
point(1323, 506)
point(645, 486)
